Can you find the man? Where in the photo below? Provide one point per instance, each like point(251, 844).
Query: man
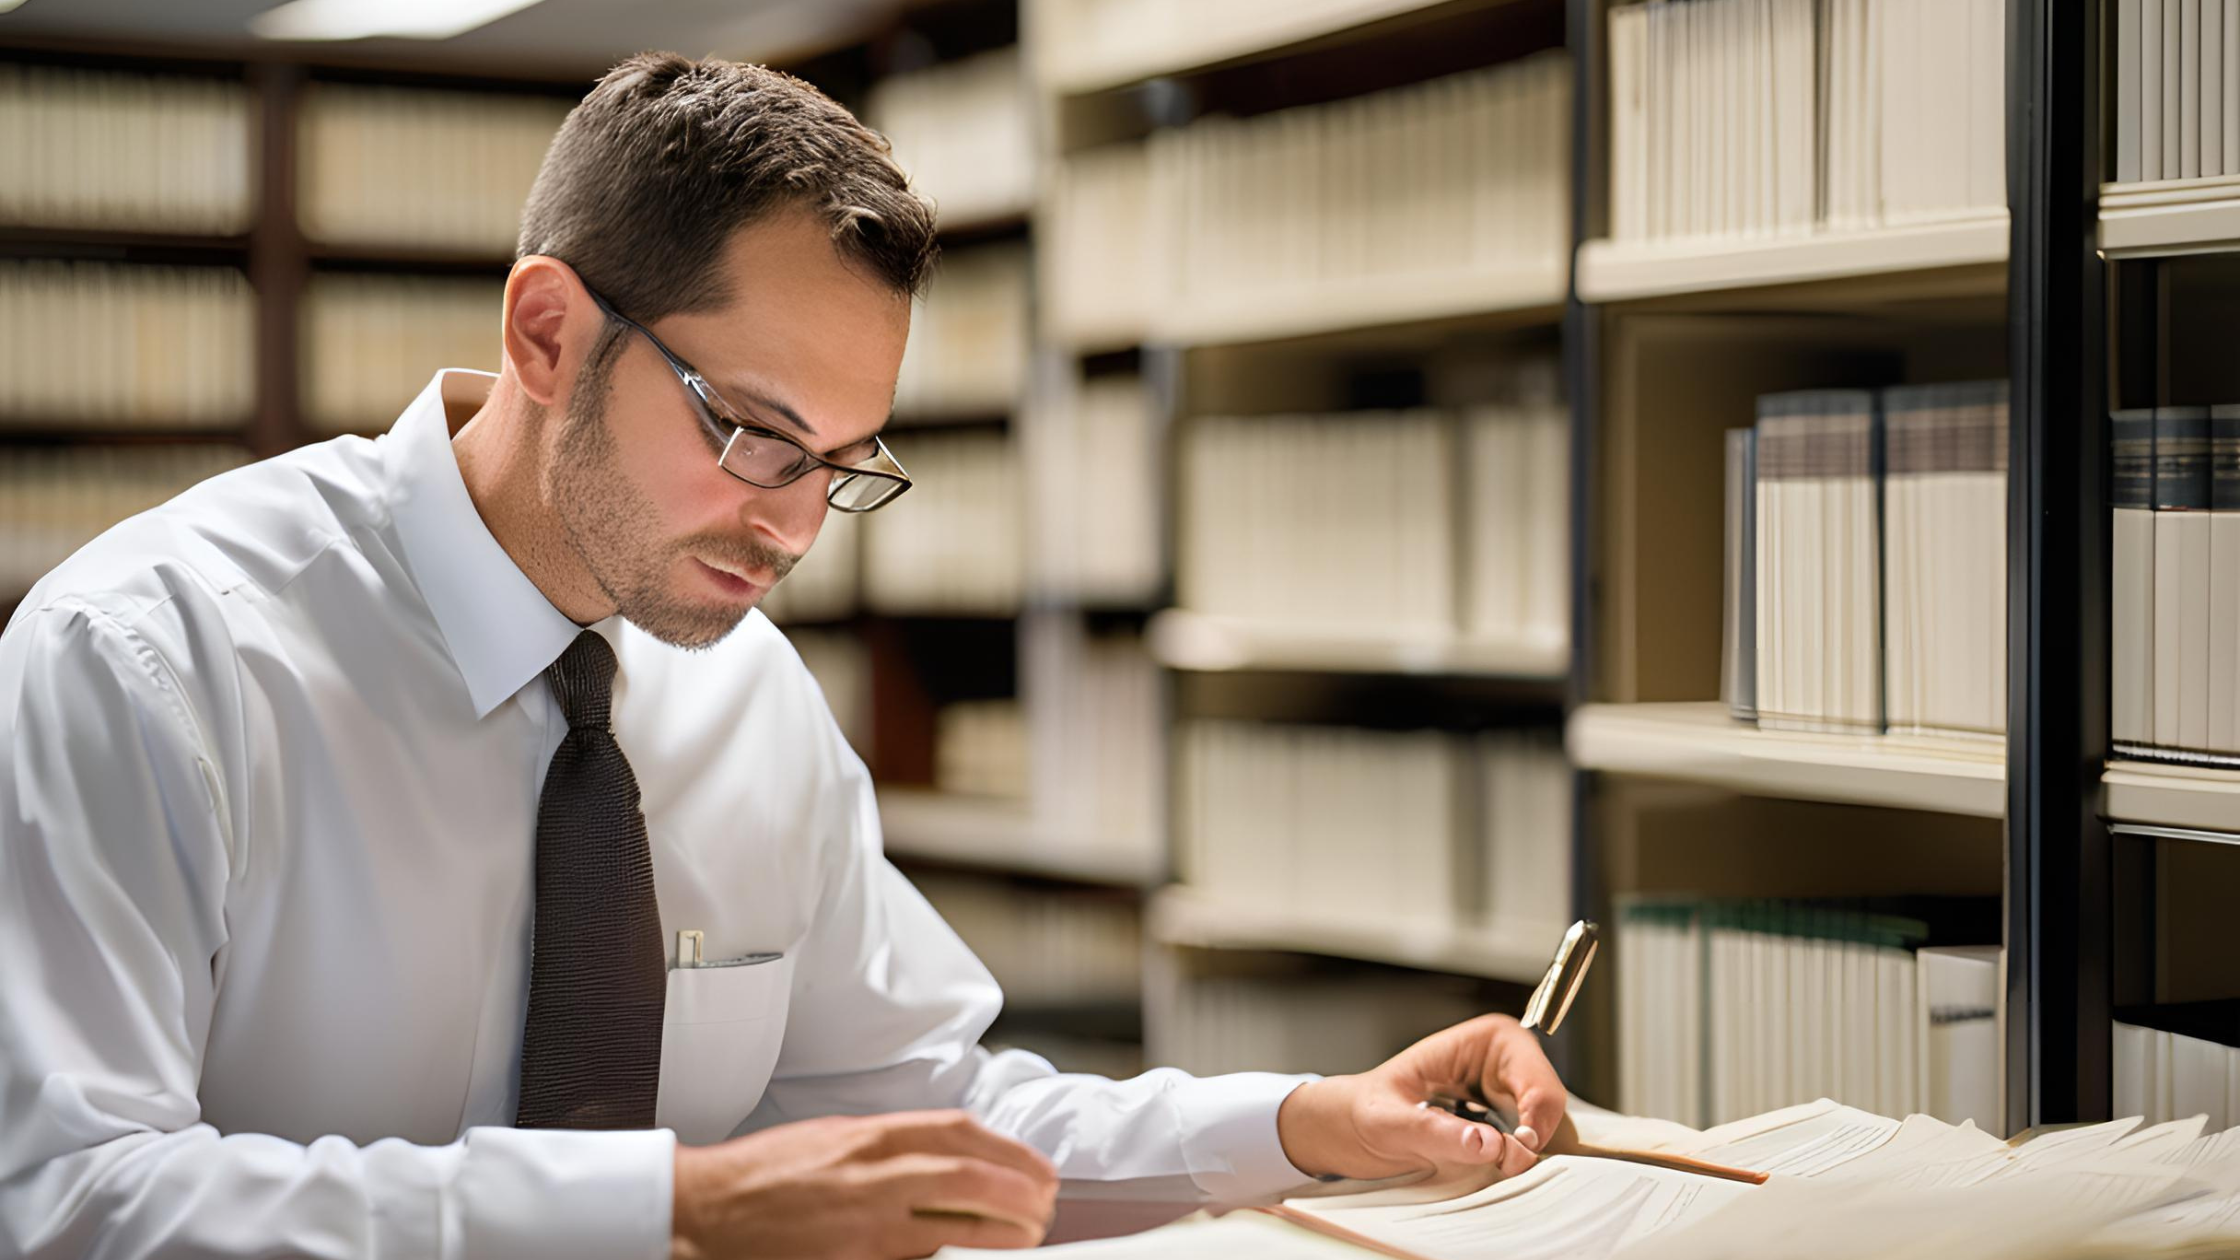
point(364, 812)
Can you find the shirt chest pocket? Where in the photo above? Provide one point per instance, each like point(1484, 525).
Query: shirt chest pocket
point(719, 1040)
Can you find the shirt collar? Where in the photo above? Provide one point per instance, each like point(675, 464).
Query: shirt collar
point(501, 630)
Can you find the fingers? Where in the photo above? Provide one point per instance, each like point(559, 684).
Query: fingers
point(1443, 1140)
point(940, 1187)
point(930, 1232)
point(1519, 1068)
point(956, 1133)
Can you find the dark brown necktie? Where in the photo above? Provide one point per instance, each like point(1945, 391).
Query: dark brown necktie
point(591, 1053)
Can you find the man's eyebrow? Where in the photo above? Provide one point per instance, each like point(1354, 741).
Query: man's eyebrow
point(763, 400)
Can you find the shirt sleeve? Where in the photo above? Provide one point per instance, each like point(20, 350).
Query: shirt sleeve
point(888, 1009)
point(116, 854)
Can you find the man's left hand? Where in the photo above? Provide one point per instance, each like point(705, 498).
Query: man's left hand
point(1370, 1126)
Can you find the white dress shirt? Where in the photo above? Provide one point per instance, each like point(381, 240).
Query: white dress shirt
point(270, 758)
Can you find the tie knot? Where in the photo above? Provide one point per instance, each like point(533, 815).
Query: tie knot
point(583, 681)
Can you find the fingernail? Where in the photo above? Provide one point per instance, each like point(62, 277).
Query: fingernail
point(1528, 1137)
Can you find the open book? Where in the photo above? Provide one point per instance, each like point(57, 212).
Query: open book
point(1841, 1183)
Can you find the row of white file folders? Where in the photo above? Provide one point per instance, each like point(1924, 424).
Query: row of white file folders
point(2175, 571)
point(1866, 560)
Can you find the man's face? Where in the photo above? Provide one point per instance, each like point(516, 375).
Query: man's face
point(810, 345)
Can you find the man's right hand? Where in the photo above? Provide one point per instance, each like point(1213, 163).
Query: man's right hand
point(876, 1187)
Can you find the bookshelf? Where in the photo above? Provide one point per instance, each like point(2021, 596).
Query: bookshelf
point(1181, 918)
point(2178, 216)
point(1006, 836)
point(1613, 271)
point(1702, 743)
point(1185, 640)
point(1672, 330)
point(1087, 57)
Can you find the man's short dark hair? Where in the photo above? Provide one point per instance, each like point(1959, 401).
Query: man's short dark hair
point(667, 157)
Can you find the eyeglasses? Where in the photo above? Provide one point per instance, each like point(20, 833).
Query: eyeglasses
point(761, 455)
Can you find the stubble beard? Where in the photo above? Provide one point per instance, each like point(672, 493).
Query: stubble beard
point(614, 530)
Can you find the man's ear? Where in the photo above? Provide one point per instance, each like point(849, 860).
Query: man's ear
point(542, 296)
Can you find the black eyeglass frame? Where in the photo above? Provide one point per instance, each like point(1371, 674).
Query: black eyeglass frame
point(716, 411)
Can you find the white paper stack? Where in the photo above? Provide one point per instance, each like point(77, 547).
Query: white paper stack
point(1455, 181)
point(980, 749)
point(1327, 1024)
point(960, 130)
point(2177, 89)
point(1945, 532)
point(89, 345)
point(967, 353)
point(1819, 605)
point(1525, 812)
point(1750, 118)
point(955, 544)
point(1045, 947)
point(370, 342)
point(1728, 1009)
point(825, 585)
point(121, 151)
point(1338, 824)
point(410, 167)
point(54, 500)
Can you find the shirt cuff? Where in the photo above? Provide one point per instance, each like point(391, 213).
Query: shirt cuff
point(558, 1194)
point(1229, 1138)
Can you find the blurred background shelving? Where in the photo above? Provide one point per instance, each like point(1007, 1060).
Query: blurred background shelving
point(1320, 585)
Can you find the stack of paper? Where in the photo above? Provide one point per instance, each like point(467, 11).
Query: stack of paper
point(370, 342)
point(54, 500)
point(1742, 118)
point(1840, 1182)
point(410, 167)
point(954, 544)
point(967, 353)
point(108, 149)
point(1730, 1008)
point(2175, 577)
point(959, 129)
point(1456, 181)
point(96, 344)
point(2177, 89)
point(1819, 561)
